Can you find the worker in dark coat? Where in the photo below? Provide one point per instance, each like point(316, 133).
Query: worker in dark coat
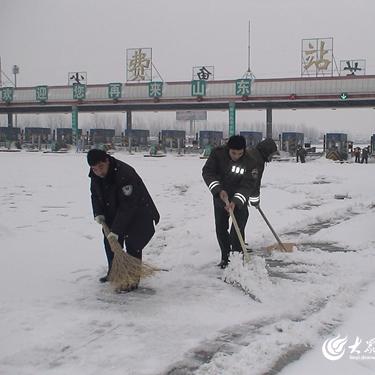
point(357, 154)
point(121, 200)
point(364, 155)
point(301, 154)
point(228, 173)
point(262, 154)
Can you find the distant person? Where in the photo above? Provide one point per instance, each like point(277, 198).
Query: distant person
point(364, 155)
point(301, 154)
point(357, 154)
point(121, 200)
point(297, 153)
point(231, 176)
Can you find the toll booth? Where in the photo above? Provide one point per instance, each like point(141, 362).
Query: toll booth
point(37, 135)
point(138, 137)
point(290, 142)
point(252, 138)
point(65, 135)
point(9, 134)
point(173, 138)
point(210, 138)
point(103, 136)
point(336, 143)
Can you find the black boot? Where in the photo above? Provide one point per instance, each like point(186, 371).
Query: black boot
point(104, 279)
point(223, 264)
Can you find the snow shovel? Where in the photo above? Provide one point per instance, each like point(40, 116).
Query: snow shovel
point(281, 246)
point(126, 270)
point(246, 257)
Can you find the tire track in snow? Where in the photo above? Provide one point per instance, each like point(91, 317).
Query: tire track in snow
point(234, 339)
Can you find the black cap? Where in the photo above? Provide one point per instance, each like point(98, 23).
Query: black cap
point(237, 142)
point(95, 156)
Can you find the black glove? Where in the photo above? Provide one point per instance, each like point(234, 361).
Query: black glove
point(254, 201)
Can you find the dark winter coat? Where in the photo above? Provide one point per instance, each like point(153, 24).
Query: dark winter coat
point(261, 154)
point(125, 203)
point(238, 178)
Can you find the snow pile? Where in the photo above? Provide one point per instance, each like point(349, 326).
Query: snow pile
point(251, 277)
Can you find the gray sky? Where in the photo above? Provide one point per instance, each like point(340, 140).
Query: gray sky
point(49, 38)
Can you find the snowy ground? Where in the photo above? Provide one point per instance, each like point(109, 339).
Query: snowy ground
point(56, 318)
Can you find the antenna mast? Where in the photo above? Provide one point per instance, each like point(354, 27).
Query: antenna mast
point(248, 73)
point(248, 52)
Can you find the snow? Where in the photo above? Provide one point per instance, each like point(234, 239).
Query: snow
point(56, 318)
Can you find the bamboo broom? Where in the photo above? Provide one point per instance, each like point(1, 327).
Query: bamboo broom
point(126, 270)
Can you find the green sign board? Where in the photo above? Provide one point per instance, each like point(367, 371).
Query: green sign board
point(114, 90)
point(243, 87)
point(41, 93)
point(79, 91)
point(232, 119)
point(198, 88)
point(155, 89)
point(75, 123)
point(7, 94)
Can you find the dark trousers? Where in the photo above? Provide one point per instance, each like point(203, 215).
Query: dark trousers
point(229, 241)
point(133, 252)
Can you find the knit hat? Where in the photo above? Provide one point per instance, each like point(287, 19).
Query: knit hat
point(267, 148)
point(95, 156)
point(237, 142)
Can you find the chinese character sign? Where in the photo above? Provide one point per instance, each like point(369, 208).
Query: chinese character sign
point(243, 87)
point(139, 64)
point(155, 89)
point(353, 67)
point(317, 57)
point(77, 77)
point(198, 88)
point(7, 94)
point(203, 73)
point(232, 119)
point(41, 93)
point(79, 91)
point(74, 123)
point(114, 91)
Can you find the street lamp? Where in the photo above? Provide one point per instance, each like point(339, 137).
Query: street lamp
point(16, 70)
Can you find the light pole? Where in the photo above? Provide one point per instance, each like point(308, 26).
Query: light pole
point(16, 70)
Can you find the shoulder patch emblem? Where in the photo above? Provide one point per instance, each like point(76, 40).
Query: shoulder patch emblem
point(254, 173)
point(127, 190)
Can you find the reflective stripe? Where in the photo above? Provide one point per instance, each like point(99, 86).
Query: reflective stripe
point(240, 197)
point(254, 199)
point(213, 184)
point(238, 170)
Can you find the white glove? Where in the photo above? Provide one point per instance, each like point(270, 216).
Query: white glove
point(100, 219)
point(112, 236)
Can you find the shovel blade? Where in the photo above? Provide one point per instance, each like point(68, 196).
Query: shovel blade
point(287, 247)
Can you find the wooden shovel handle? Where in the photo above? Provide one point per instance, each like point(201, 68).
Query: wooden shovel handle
point(106, 230)
point(272, 230)
point(237, 229)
